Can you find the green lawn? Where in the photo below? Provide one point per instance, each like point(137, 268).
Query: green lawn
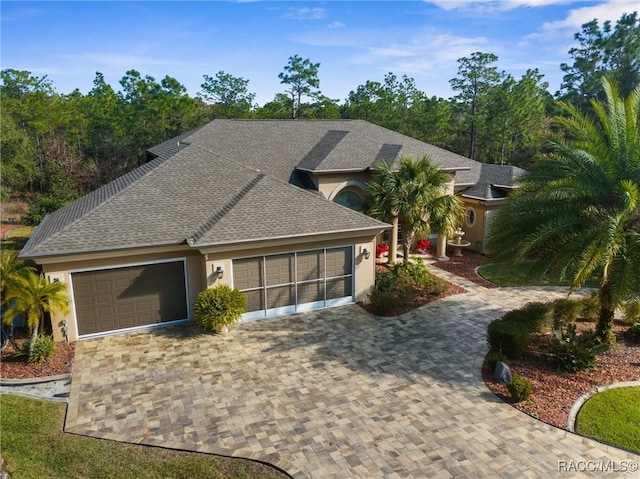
point(508, 275)
point(34, 446)
point(613, 417)
point(17, 237)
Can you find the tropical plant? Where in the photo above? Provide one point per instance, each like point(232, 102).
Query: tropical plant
point(219, 307)
point(33, 295)
point(43, 349)
point(414, 195)
point(11, 268)
point(577, 213)
point(572, 352)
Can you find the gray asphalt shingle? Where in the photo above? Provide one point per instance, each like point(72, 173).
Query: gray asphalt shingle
point(239, 180)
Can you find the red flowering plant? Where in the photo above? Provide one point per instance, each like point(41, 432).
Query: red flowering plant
point(423, 244)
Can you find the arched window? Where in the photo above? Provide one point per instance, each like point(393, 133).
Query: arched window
point(350, 199)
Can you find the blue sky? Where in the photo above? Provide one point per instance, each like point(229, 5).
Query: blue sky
point(353, 41)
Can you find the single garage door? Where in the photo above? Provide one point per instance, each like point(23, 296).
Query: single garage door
point(129, 297)
point(299, 281)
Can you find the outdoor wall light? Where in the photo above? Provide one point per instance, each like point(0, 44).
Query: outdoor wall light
point(365, 253)
point(219, 272)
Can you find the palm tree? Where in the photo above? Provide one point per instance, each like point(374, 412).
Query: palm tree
point(11, 268)
point(34, 296)
point(577, 213)
point(412, 196)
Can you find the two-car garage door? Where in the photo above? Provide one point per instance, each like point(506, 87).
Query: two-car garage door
point(298, 281)
point(127, 297)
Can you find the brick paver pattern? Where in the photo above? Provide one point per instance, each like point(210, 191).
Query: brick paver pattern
point(336, 393)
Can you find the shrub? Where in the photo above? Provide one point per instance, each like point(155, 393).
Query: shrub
point(493, 357)
point(571, 352)
point(565, 311)
point(43, 349)
point(631, 311)
point(385, 281)
point(534, 316)
point(386, 302)
point(633, 333)
point(520, 388)
point(218, 307)
point(590, 308)
point(383, 302)
point(510, 338)
point(415, 272)
point(41, 206)
point(401, 284)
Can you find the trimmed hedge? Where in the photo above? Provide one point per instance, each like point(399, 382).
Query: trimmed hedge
point(510, 338)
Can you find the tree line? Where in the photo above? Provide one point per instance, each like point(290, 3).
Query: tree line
point(58, 146)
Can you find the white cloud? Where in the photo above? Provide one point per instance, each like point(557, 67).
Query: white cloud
point(488, 6)
point(306, 13)
point(335, 25)
point(611, 10)
point(429, 55)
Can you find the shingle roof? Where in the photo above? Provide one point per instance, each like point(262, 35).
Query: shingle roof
point(195, 194)
point(494, 182)
point(241, 180)
point(277, 147)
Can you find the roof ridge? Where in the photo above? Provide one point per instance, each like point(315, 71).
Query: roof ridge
point(228, 206)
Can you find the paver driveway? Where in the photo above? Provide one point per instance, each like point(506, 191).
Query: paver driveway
point(331, 394)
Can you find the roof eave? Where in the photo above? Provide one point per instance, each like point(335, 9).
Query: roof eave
point(50, 254)
point(370, 229)
point(326, 172)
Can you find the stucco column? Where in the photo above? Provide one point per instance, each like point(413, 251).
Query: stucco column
point(441, 248)
point(393, 247)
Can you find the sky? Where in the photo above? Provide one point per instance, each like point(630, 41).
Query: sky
point(354, 41)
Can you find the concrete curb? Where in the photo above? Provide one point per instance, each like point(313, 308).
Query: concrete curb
point(28, 381)
point(575, 409)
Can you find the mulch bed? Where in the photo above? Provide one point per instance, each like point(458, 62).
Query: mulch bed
point(425, 296)
point(465, 266)
point(553, 393)
point(12, 367)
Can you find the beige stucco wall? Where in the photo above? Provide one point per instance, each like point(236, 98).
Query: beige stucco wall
point(364, 271)
point(478, 233)
point(331, 184)
point(200, 268)
point(62, 269)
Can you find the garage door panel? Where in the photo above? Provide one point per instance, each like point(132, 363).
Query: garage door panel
point(338, 288)
point(338, 262)
point(247, 273)
point(128, 297)
point(255, 300)
point(296, 279)
point(310, 265)
point(281, 296)
point(280, 269)
point(310, 292)
point(103, 286)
